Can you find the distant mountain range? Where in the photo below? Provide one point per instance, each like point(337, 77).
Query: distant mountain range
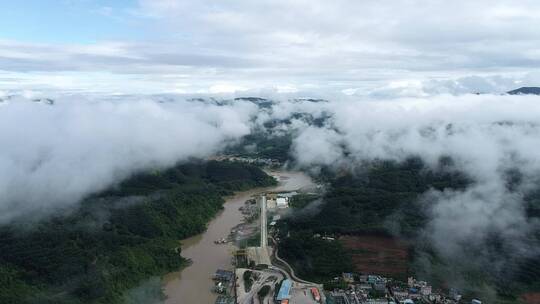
point(525, 91)
point(262, 103)
point(48, 101)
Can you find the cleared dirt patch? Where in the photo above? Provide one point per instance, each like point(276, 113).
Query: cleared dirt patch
point(531, 297)
point(374, 254)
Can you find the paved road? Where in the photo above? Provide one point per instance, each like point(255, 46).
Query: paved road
point(288, 270)
point(264, 226)
point(265, 277)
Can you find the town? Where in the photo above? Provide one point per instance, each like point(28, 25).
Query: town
point(268, 162)
point(259, 275)
point(375, 289)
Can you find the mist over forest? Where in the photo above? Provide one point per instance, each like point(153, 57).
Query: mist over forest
point(73, 147)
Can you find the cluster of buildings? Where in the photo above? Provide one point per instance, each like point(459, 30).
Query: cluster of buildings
point(249, 160)
point(223, 280)
point(374, 289)
point(362, 289)
point(275, 201)
point(415, 290)
point(300, 294)
point(278, 203)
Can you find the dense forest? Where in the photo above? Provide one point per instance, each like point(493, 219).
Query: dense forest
point(262, 145)
point(271, 141)
point(314, 259)
point(118, 238)
point(361, 202)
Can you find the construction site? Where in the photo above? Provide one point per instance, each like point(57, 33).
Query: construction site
point(260, 275)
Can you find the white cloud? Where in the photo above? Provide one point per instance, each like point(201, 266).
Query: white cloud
point(485, 135)
point(334, 45)
point(54, 155)
point(225, 88)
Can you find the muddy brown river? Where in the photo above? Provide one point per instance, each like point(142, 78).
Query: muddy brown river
point(192, 285)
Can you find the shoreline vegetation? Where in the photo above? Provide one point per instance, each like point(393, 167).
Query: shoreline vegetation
point(119, 238)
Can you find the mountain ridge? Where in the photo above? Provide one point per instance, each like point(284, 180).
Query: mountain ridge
point(525, 91)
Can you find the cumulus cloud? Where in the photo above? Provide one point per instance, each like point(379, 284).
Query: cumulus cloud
point(484, 134)
point(54, 155)
point(318, 146)
point(338, 45)
point(469, 127)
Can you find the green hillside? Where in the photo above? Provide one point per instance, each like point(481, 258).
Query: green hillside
point(117, 238)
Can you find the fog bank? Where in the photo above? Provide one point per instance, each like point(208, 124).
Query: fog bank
point(53, 155)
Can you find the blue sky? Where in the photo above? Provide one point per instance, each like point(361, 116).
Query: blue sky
point(399, 47)
point(63, 21)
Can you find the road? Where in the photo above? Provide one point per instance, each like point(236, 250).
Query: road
point(264, 226)
point(266, 277)
point(301, 288)
point(290, 270)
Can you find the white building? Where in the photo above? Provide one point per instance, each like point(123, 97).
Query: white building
point(425, 290)
point(282, 202)
point(287, 194)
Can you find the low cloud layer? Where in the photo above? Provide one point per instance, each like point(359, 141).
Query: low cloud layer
point(54, 155)
point(484, 132)
point(487, 136)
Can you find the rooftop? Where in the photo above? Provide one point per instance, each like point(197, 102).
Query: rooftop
point(284, 291)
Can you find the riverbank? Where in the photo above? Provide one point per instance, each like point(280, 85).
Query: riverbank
point(193, 284)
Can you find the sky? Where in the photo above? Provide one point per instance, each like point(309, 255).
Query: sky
point(381, 48)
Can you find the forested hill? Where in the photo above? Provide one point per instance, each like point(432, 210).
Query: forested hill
point(119, 238)
point(361, 203)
